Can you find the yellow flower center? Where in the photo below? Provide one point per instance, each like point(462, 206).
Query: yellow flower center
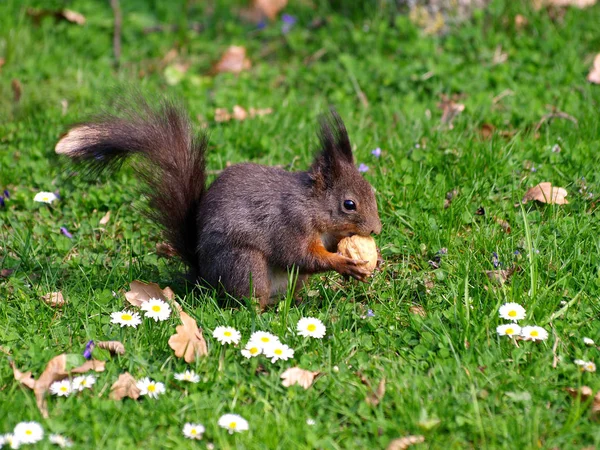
point(83, 382)
point(126, 317)
point(253, 350)
point(151, 388)
point(509, 331)
point(512, 313)
point(534, 333)
point(265, 339)
point(227, 333)
point(193, 431)
point(232, 425)
point(312, 327)
point(156, 308)
point(278, 351)
point(63, 388)
point(45, 198)
point(28, 432)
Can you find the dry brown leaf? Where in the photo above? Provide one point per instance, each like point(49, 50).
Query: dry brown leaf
point(499, 276)
point(25, 378)
point(125, 386)
point(115, 347)
point(581, 4)
point(546, 193)
point(418, 310)
point(373, 398)
point(222, 115)
point(105, 218)
point(73, 16)
point(594, 75)
point(296, 375)
point(260, 111)
point(17, 90)
point(521, 21)
point(450, 109)
point(141, 292)
point(188, 341)
point(234, 60)
point(239, 113)
point(404, 442)
point(269, 8)
point(486, 131)
point(503, 223)
point(54, 299)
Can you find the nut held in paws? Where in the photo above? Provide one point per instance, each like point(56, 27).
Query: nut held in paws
point(360, 248)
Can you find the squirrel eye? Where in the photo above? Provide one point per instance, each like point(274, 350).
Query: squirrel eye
point(349, 205)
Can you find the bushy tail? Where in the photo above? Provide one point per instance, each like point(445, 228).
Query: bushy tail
point(173, 166)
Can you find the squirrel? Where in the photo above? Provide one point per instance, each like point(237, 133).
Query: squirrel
point(245, 231)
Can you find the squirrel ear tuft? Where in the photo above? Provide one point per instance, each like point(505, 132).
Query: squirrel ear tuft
point(335, 143)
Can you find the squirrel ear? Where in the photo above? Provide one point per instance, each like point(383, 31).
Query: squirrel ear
point(335, 143)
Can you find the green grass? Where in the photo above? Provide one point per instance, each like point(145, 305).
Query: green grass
point(449, 376)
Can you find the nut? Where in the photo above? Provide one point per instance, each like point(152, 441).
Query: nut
point(361, 248)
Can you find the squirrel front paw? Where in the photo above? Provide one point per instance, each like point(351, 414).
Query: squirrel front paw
point(354, 268)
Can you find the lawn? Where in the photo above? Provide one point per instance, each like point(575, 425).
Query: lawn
point(449, 197)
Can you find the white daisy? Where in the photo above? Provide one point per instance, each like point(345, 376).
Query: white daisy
point(82, 382)
point(156, 309)
point(193, 430)
point(253, 348)
point(263, 338)
point(188, 375)
point(588, 341)
point(278, 351)
point(311, 327)
point(586, 366)
point(150, 387)
point(61, 441)
point(233, 422)
point(10, 440)
point(534, 333)
point(509, 329)
point(310, 421)
point(227, 335)
point(45, 197)
point(126, 318)
point(61, 388)
point(512, 311)
point(28, 432)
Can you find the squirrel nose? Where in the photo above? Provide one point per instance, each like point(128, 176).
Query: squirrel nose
point(376, 228)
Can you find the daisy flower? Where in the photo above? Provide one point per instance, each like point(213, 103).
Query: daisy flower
point(61, 441)
point(10, 440)
point(45, 197)
point(188, 375)
point(156, 309)
point(227, 335)
point(311, 327)
point(126, 318)
point(28, 432)
point(263, 338)
point(83, 381)
point(588, 341)
point(253, 348)
point(586, 366)
point(61, 388)
point(150, 387)
point(193, 430)
point(512, 311)
point(278, 351)
point(534, 333)
point(233, 422)
point(510, 329)
point(310, 421)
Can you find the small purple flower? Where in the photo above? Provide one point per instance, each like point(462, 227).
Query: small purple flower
point(376, 153)
point(89, 347)
point(363, 168)
point(517, 252)
point(6, 193)
point(64, 231)
point(288, 23)
point(370, 313)
point(2, 203)
point(495, 261)
point(262, 24)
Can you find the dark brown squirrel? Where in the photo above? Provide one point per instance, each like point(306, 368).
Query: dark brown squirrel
point(254, 222)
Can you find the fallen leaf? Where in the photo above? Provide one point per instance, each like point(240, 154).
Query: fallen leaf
point(521, 21)
point(5, 273)
point(594, 75)
point(269, 8)
point(296, 375)
point(581, 4)
point(234, 60)
point(374, 397)
point(222, 115)
point(404, 442)
point(17, 90)
point(188, 341)
point(25, 378)
point(260, 111)
point(418, 309)
point(165, 249)
point(115, 347)
point(105, 218)
point(486, 131)
point(499, 276)
point(545, 193)
point(125, 386)
point(503, 223)
point(141, 292)
point(54, 299)
point(239, 113)
point(73, 16)
point(450, 109)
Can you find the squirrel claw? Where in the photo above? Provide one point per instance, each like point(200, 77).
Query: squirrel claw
point(355, 269)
